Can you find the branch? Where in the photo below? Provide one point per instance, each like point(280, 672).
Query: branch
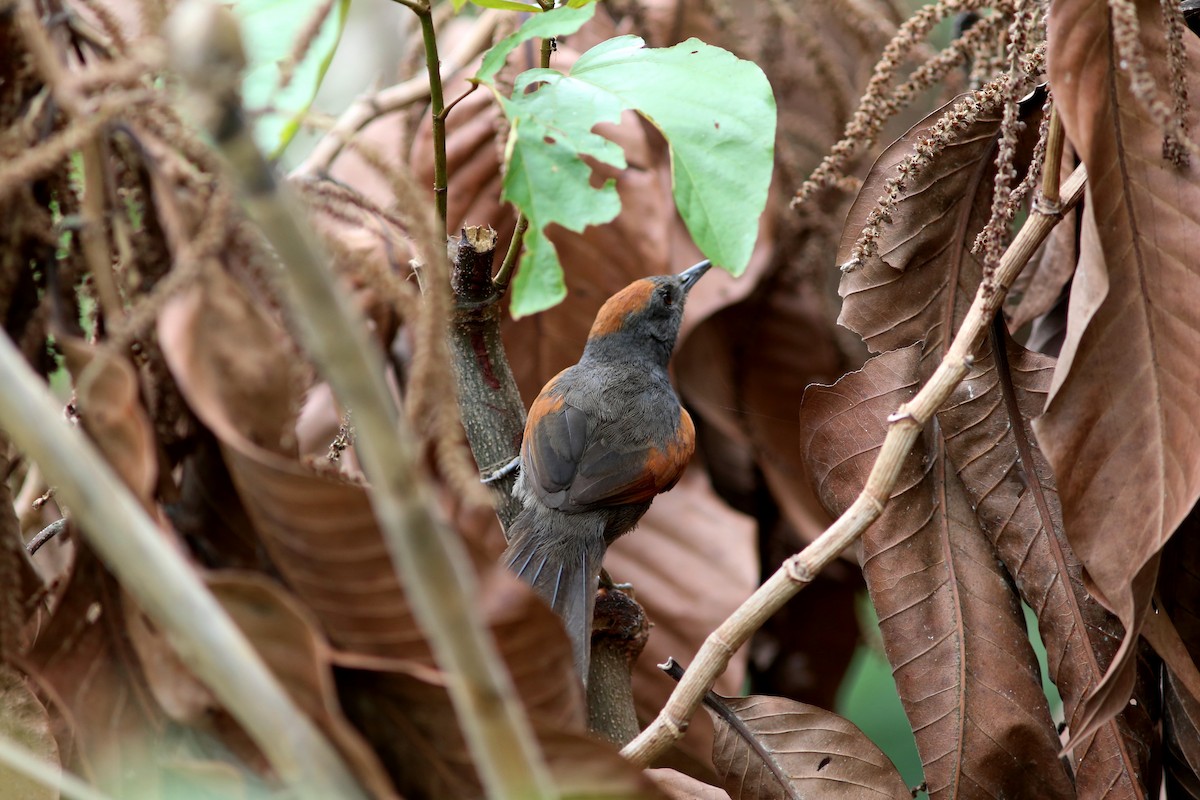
point(437, 107)
point(492, 412)
point(432, 561)
point(905, 426)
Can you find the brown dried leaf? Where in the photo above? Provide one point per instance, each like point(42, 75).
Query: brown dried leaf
point(919, 286)
point(408, 715)
point(779, 748)
point(107, 723)
point(1012, 489)
point(679, 786)
point(1119, 428)
point(24, 720)
point(951, 624)
point(285, 636)
point(321, 532)
point(107, 395)
point(241, 370)
point(1181, 737)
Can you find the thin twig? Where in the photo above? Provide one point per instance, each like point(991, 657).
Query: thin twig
point(504, 274)
point(905, 426)
point(1052, 168)
point(45, 535)
point(437, 107)
point(431, 561)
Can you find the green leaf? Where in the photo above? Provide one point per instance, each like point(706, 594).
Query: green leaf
point(270, 29)
point(504, 5)
point(716, 112)
point(539, 283)
point(559, 22)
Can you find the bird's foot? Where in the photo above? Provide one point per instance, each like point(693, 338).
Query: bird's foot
point(503, 472)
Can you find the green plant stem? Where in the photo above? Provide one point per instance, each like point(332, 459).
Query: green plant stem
point(504, 274)
point(437, 111)
point(151, 569)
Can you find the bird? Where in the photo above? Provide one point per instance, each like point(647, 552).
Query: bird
point(601, 440)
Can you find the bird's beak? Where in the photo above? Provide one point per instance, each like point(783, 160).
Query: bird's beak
point(688, 278)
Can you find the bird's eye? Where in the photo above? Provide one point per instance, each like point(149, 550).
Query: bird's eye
point(667, 297)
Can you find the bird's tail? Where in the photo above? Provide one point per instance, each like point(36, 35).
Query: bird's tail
point(562, 567)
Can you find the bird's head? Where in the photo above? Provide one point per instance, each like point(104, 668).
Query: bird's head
point(646, 312)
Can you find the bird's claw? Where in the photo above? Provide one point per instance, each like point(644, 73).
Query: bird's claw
point(503, 472)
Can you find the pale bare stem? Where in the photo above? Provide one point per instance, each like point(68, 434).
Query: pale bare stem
point(1052, 166)
point(1127, 34)
point(20, 759)
point(877, 105)
point(432, 562)
point(370, 107)
point(904, 427)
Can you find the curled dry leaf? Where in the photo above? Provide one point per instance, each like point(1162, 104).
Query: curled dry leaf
point(1011, 487)
point(1181, 738)
point(320, 531)
point(106, 388)
point(24, 721)
point(1119, 428)
point(772, 747)
point(107, 724)
point(285, 636)
point(951, 624)
point(923, 278)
